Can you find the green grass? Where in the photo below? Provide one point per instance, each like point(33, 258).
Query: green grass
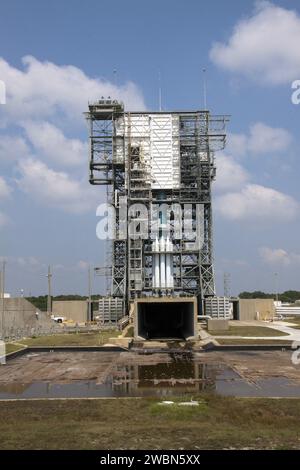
point(218, 423)
point(69, 339)
point(72, 339)
point(295, 320)
point(248, 331)
point(238, 341)
point(130, 332)
point(11, 347)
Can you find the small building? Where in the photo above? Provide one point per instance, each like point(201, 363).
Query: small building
point(6, 295)
point(255, 309)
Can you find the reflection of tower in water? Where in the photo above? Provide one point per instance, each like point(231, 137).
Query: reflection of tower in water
point(164, 378)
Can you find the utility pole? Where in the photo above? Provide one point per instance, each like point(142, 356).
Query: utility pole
point(3, 278)
point(2, 310)
point(159, 92)
point(276, 286)
point(204, 89)
point(90, 294)
point(226, 280)
point(49, 303)
point(2, 297)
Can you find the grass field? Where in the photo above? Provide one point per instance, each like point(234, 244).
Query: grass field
point(100, 338)
point(11, 347)
point(218, 423)
point(246, 341)
point(72, 339)
point(248, 331)
point(295, 320)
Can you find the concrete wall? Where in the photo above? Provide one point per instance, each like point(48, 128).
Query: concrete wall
point(217, 325)
point(256, 309)
point(75, 310)
point(21, 318)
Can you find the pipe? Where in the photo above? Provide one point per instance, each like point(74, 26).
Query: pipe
point(169, 264)
point(155, 264)
point(157, 277)
point(153, 268)
point(162, 263)
point(168, 271)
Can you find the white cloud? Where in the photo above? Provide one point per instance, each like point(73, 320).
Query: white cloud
point(28, 261)
point(264, 46)
point(83, 265)
point(266, 139)
point(230, 174)
point(262, 139)
point(49, 142)
point(56, 189)
point(12, 148)
point(229, 262)
point(43, 117)
point(237, 144)
point(5, 189)
point(43, 90)
point(278, 256)
point(255, 202)
point(33, 261)
point(58, 267)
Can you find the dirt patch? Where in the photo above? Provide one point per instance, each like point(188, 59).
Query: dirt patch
point(257, 364)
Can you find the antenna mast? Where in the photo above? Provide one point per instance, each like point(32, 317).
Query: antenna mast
point(204, 88)
point(159, 91)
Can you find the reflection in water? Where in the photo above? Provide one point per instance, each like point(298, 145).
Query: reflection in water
point(177, 375)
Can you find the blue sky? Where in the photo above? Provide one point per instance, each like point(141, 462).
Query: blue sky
point(56, 55)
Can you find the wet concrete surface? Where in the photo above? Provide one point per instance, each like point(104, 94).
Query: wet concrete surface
point(121, 374)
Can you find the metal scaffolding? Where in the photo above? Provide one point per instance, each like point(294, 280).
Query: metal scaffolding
point(151, 159)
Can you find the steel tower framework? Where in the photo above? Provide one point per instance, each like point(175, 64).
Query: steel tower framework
point(128, 154)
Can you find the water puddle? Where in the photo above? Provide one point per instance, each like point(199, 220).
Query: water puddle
point(178, 375)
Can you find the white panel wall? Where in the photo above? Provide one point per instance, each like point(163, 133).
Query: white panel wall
point(157, 135)
point(164, 149)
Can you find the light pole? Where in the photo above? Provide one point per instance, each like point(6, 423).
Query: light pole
point(2, 310)
point(49, 305)
point(90, 294)
point(226, 280)
point(204, 88)
point(2, 295)
point(276, 287)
